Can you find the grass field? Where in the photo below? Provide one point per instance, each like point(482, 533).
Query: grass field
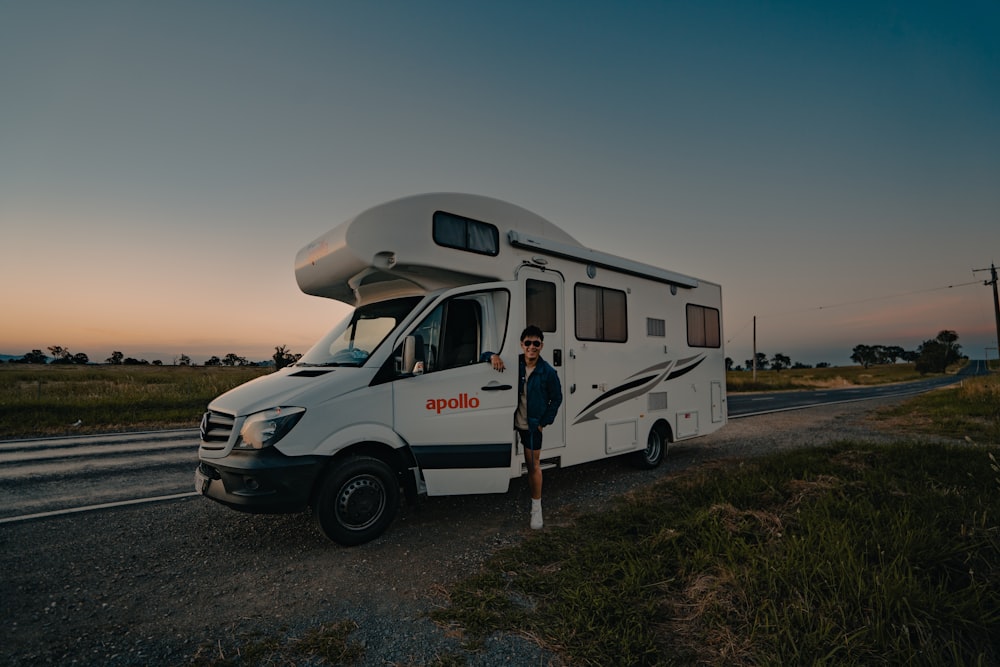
point(37, 400)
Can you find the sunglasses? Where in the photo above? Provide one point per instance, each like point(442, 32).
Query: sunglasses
point(531, 343)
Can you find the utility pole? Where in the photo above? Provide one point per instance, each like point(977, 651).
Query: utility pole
point(996, 300)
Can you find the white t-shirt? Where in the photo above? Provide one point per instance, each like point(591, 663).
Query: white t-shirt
point(521, 416)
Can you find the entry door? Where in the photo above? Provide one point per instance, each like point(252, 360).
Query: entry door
point(543, 307)
point(457, 412)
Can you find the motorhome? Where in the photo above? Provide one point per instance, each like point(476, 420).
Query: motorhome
point(396, 398)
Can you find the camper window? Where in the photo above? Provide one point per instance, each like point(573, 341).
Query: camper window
point(454, 231)
point(600, 314)
point(703, 326)
point(540, 304)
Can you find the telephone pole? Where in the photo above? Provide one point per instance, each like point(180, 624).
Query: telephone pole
point(996, 300)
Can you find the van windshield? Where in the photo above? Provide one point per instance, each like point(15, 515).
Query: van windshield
point(351, 342)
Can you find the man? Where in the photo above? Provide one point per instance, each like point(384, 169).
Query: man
point(539, 397)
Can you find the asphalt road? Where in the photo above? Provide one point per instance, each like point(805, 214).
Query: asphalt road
point(50, 476)
point(745, 405)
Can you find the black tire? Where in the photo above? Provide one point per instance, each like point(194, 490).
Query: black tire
point(655, 451)
point(357, 501)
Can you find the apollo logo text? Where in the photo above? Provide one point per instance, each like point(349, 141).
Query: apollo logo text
point(460, 402)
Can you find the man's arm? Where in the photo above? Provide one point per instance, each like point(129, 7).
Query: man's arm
point(494, 360)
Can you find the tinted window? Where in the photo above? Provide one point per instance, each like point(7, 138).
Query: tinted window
point(703, 326)
point(600, 314)
point(540, 304)
point(454, 231)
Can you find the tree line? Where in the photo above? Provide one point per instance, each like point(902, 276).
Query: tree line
point(60, 355)
point(931, 356)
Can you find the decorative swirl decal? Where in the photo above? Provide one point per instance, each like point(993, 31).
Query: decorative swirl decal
point(638, 384)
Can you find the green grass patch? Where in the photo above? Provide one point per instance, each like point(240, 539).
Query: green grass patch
point(970, 409)
point(847, 555)
point(48, 400)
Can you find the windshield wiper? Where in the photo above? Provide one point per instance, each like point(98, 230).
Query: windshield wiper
point(327, 364)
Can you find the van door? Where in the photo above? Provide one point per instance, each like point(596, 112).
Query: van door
point(543, 307)
point(456, 412)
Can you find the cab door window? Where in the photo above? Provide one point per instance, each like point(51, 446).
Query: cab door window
point(461, 328)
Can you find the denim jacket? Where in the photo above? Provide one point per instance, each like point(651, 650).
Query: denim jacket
point(544, 392)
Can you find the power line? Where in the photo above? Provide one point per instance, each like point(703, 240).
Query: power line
point(858, 301)
point(893, 296)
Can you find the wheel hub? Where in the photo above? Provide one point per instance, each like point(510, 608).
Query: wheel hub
point(361, 501)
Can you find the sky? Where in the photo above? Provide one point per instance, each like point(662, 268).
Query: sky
point(835, 166)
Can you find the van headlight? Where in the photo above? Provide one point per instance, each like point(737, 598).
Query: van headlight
point(263, 429)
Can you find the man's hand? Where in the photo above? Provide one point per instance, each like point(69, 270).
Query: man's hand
point(497, 363)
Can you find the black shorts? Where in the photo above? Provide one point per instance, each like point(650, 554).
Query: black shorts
point(530, 439)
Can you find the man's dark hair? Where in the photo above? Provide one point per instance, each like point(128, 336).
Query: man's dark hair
point(532, 331)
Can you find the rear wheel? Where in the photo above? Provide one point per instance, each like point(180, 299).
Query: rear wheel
point(357, 500)
point(655, 451)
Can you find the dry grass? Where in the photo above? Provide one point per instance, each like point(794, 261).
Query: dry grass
point(820, 378)
point(42, 400)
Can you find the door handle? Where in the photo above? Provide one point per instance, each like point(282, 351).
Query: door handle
point(497, 387)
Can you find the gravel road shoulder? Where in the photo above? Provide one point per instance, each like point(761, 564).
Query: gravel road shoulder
point(161, 584)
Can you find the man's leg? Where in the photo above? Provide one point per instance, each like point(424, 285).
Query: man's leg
point(532, 461)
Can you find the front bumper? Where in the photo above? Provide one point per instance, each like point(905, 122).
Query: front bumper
point(264, 481)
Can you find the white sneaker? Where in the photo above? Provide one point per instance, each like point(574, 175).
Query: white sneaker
point(536, 518)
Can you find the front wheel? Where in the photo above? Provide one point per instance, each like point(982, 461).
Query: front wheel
point(656, 449)
point(357, 500)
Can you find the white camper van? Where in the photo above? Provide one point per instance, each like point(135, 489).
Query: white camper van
point(396, 397)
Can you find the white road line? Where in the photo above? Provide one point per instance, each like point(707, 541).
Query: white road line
point(87, 508)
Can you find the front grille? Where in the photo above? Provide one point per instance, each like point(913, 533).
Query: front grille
point(216, 427)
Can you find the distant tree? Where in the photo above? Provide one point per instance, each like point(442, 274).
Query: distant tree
point(823, 364)
point(762, 362)
point(932, 357)
point(34, 357)
point(892, 353)
point(131, 361)
point(184, 360)
point(866, 355)
point(213, 361)
point(233, 359)
point(81, 359)
point(780, 361)
point(799, 364)
point(115, 359)
point(910, 356)
point(936, 355)
point(282, 357)
point(157, 362)
point(729, 363)
point(949, 340)
point(60, 355)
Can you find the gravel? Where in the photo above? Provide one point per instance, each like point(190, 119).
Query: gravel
point(186, 581)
